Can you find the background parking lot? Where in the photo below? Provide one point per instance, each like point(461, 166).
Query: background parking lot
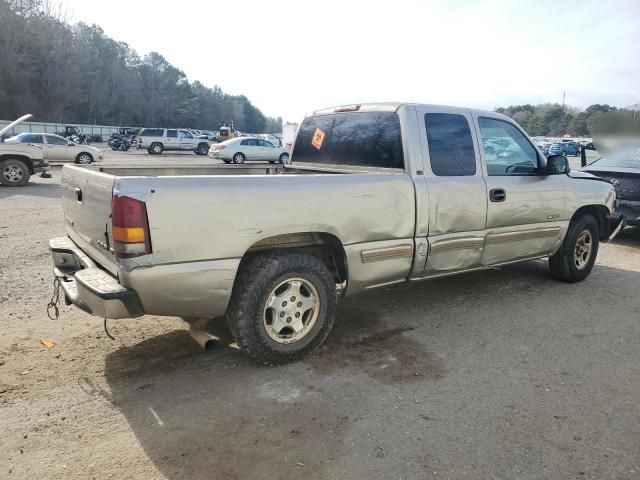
point(496, 374)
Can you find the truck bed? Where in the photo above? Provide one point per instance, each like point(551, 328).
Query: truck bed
point(203, 214)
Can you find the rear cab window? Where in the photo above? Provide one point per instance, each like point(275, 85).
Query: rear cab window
point(152, 132)
point(350, 139)
point(450, 145)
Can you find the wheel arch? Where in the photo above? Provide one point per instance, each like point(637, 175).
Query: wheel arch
point(323, 245)
point(600, 213)
point(22, 158)
point(87, 153)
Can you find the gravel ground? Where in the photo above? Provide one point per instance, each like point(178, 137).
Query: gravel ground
point(500, 374)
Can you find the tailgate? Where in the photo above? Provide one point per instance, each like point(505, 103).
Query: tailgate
point(86, 199)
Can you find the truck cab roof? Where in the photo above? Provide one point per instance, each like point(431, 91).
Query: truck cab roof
point(395, 106)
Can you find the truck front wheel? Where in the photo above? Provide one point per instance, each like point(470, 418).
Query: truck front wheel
point(577, 255)
point(282, 306)
point(14, 173)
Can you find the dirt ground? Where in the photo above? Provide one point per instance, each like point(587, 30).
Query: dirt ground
point(501, 374)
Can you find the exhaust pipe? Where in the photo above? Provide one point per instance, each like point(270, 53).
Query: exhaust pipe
point(202, 338)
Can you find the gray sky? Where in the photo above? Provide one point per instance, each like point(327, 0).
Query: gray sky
point(292, 57)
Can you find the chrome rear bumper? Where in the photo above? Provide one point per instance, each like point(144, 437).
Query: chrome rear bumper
point(89, 287)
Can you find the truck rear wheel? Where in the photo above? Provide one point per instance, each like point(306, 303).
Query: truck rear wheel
point(577, 255)
point(14, 173)
point(156, 148)
point(282, 306)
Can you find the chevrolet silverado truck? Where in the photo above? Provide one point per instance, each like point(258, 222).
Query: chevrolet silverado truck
point(375, 195)
point(19, 161)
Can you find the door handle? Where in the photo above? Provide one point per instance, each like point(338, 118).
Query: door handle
point(497, 195)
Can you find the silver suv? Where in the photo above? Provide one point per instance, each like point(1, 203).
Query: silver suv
point(157, 140)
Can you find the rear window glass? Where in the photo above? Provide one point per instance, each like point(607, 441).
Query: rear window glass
point(369, 139)
point(31, 138)
point(450, 145)
point(152, 132)
point(172, 133)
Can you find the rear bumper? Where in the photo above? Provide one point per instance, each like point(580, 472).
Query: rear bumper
point(89, 287)
point(189, 289)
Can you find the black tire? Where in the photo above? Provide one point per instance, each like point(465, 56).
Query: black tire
point(239, 158)
point(284, 158)
point(84, 158)
point(256, 280)
point(203, 149)
point(156, 148)
point(563, 265)
point(14, 173)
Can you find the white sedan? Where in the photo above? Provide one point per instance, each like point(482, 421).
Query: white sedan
point(59, 149)
point(238, 150)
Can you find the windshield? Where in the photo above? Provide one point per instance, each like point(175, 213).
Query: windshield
point(370, 139)
point(628, 160)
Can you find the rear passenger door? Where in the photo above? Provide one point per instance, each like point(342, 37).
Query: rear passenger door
point(58, 149)
point(525, 209)
point(251, 149)
point(172, 142)
point(457, 195)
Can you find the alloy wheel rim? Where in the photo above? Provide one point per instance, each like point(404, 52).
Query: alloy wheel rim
point(84, 159)
point(12, 173)
point(584, 247)
point(291, 310)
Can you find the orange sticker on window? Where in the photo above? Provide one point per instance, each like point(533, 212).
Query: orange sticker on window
point(318, 138)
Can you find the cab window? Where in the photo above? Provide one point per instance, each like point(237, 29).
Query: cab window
point(172, 133)
point(450, 145)
point(506, 150)
point(184, 134)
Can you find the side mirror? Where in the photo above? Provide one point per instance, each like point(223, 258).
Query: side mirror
point(557, 165)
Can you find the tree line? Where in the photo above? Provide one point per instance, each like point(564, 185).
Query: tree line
point(552, 119)
point(76, 74)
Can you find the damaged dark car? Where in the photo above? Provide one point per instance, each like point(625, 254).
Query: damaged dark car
point(622, 170)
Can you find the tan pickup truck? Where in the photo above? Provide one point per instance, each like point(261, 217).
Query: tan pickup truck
point(375, 195)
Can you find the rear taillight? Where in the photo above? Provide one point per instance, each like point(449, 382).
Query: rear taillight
point(130, 227)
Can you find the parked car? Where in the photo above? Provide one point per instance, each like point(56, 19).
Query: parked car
point(238, 150)
point(375, 195)
point(18, 161)
point(543, 143)
point(158, 140)
point(59, 149)
point(211, 136)
point(622, 170)
point(564, 148)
